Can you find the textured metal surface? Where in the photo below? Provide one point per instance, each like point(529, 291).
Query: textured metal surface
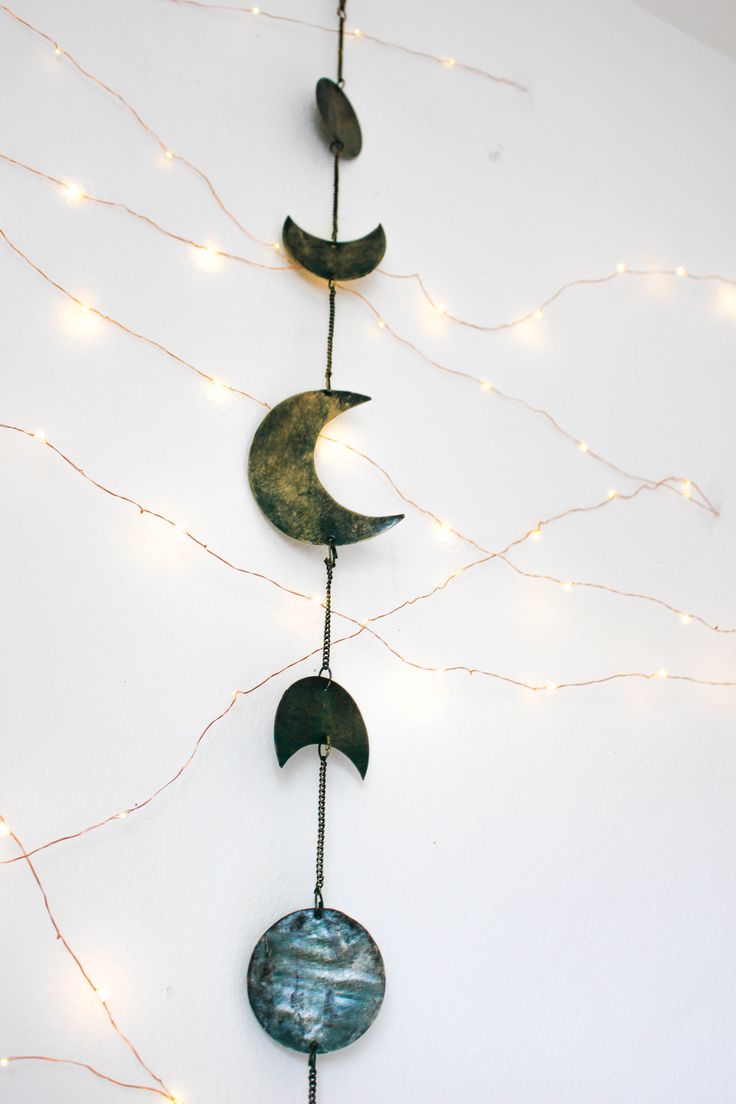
point(284, 480)
point(318, 711)
point(338, 118)
point(346, 260)
point(316, 980)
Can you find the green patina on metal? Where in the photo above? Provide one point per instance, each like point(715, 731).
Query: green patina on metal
point(338, 118)
point(316, 980)
point(284, 480)
point(334, 260)
point(318, 711)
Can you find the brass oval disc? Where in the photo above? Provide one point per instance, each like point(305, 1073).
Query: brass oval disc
point(284, 480)
point(316, 710)
point(338, 118)
point(348, 260)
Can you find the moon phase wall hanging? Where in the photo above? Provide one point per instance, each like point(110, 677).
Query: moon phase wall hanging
point(316, 978)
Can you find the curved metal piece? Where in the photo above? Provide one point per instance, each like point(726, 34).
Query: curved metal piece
point(338, 118)
point(348, 260)
point(314, 711)
point(284, 480)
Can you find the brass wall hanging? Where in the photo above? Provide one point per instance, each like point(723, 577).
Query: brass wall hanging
point(316, 978)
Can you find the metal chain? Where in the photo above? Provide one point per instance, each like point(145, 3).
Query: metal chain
point(319, 901)
point(336, 148)
point(312, 1098)
point(330, 561)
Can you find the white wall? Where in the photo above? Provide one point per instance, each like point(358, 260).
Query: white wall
point(549, 876)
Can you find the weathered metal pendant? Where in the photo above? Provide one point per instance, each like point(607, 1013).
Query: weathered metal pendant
point(316, 980)
point(284, 480)
point(338, 118)
point(334, 260)
point(318, 711)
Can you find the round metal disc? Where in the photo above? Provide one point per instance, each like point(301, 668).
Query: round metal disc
point(316, 977)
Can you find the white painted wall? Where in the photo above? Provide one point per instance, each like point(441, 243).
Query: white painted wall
point(551, 876)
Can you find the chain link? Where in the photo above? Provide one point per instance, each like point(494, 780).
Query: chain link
point(312, 1098)
point(319, 901)
point(336, 148)
point(330, 561)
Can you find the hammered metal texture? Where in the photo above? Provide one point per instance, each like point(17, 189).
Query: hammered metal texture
point(338, 118)
point(284, 480)
point(315, 710)
point(347, 260)
point(316, 978)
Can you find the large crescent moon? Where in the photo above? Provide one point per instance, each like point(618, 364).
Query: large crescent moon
point(315, 710)
point(284, 480)
point(347, 260)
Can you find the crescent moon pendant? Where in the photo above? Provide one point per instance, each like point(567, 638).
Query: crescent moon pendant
point(284, 480)
point(348, 260)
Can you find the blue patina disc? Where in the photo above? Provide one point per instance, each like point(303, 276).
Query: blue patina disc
point(316, 978)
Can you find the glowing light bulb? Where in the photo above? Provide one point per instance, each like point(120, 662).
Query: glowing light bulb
point(121, 816)
point(449, 62)
point(536, 534)
point(58, 51)
point(381, 324)
point(685, 618)
point(168, 154)
point(613, 493)
point(4, 828)
point(443, 532)
point(552, 686)
point(179, 527)
point(72, 192)
point(441, 308)
point(567, 586)
point(4, 1062)
point(538, 315)
point(662, 673)
point(317, 599)
point(486, 385)
point(256, 11)
point(357, 33)
point(39, 435)
point(620, 268)
point(583, 446)
point(681, 270)
point(687, 488)
point(276, 246)
point(102, 995)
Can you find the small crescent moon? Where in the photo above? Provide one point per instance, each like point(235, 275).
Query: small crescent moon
point(314, 710)
point(348, 260)
point(284, 480)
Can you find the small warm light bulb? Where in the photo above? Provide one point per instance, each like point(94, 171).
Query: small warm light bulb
point(381, 324)
point(536, 534)
point(486, 385)
point(567, 586)
point(538, 315)
point(441, 308)
point(552, 686)
point(58, 51)
point(662, 673)
point(276, 246)
point(613, 493)
point(72, 192)
point(620, 268)
point(256, 11)
point(449, 62)
point(4, 1062)
point(685, 618)
point(102, 995)
point(357, 33)
point(443, 532)
point(179, 527)
point(317, 599)
point(41, 436)
point(687, 488)
point(681, 270)
point(168, 154)
point(583, 446)
point(4, 828)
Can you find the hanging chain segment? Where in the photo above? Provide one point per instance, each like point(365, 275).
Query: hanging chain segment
point(336, 148)
point(324, 749)
point(312, 1098)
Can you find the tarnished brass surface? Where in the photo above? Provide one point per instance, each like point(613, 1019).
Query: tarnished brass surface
point(346, 260)
point(318, 711)
point(338, 118)
point(284, 480)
